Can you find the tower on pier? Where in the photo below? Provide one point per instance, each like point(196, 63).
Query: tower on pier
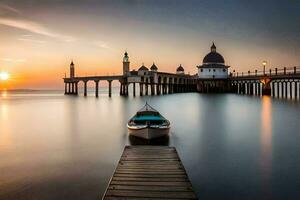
point(72, 70)
point(126, 64)
point(213, 66)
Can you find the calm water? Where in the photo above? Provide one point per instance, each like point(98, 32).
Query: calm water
point(233, 147)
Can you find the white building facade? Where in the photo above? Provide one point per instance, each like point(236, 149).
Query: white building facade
point(213, 66)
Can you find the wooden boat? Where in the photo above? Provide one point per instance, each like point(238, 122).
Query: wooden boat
point(148, 123)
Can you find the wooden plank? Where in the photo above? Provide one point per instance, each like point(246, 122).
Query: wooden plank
point(150, 179)
point(137, 198)
point(151, 175)
point(158, 164)
point(140, 152)
point(153, 172)
point(153, 157)
point(150, 153)
point(149, 172)
point(149, 167)
point(147, 183)
point(156, 194)
point(152, 188)
point(174, 163)
point(150, 159)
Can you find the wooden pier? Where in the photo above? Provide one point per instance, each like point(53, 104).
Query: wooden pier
point(149, 172)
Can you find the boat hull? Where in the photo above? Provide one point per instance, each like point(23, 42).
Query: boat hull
point(149, 133)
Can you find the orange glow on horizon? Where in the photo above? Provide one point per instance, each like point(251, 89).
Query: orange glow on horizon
point(44, 68)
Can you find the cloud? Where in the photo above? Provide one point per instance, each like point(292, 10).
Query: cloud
point(5, 7)
point(13, 60)
point(102, 44)
point(27, 35)
point(32, 40)
point(34, 27)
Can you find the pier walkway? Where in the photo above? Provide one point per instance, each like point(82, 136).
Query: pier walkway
point(149, 172)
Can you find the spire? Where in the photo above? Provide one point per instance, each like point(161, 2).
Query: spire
point(180, 69)
point(213, 48)
point(72, 69)
point(126, 57)
point(153, 67)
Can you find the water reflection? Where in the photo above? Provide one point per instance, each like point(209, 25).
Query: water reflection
point(67, 147)
point(5, 136)
point(158, 141)
point(6, 140)
point(4, 94)
point(72, 127)
point(266, 145)
point(3, 112)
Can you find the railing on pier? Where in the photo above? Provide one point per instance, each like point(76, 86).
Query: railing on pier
point(283, 82)
point(271, 72)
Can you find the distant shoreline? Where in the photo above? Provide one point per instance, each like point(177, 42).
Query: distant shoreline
point(38, 90)
point(29, 90)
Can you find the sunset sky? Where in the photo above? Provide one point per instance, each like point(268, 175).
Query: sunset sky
point(38, 38)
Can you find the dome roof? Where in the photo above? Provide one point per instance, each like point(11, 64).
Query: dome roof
point(153, 67)
point(143, 68)
point(180, 69)
point(213, 56)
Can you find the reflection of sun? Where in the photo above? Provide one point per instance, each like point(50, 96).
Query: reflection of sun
point(4, 76)
point(6, 142)
point(4, 93)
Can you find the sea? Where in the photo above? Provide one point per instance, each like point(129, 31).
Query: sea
point(55, 146)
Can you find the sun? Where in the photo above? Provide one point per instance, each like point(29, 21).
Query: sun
point(4, 76)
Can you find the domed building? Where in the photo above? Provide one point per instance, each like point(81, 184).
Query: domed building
point(154, 68)
point(142, 71)
point(213, 66)
point(180, 70)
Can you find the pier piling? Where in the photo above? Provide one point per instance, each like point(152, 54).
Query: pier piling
point(109, 88)
point(97, 88)
point(85, 88)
